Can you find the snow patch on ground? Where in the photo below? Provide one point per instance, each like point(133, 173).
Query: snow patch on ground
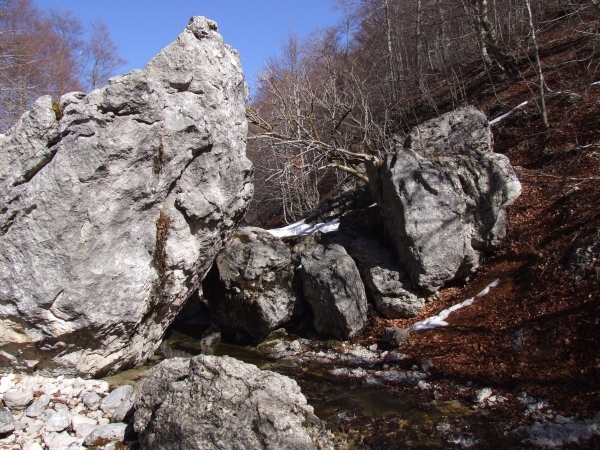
point(439, 320)
point(504, 116)
point(304, 229)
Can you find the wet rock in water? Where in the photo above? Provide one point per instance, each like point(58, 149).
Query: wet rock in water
point(387, 283)
point(395, 336)
point(209, 341)
point(251, 289)
point(395, 357)
point(445, 204)
point(7, 422)
point(332, 285)
point(115, 211)
point(219, 402)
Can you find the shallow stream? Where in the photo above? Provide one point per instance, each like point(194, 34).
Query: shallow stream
point(362, 411)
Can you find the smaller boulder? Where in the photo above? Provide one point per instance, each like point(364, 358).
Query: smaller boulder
point(332, 285)
point(37, 408)
point(91, 400)
point(395, 336)
point(16, 399)
point(220, 402)
point(59, 421)
point(250, 286)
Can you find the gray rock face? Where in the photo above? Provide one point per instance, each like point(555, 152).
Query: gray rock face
point(112, 211)
point(387, 283)
point(442, 213)
point(333, 287)
point(458, 132)
point(219, 402)
point(254, 291)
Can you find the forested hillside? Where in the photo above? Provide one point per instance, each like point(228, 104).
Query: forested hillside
point(341, 95)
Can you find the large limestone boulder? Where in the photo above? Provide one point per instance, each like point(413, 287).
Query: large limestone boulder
point(220, 402)
point(250, 289)
point(113, 206)
point(332, 285)
point(445, 205)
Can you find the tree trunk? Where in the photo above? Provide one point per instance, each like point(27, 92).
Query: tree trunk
point(538, 66)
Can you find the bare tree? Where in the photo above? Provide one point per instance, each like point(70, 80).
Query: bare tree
point(64, 48)
point(100, 56)
point(40, 54)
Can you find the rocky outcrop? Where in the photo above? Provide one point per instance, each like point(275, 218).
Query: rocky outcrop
point(251, 289)
point(332, 285)
point(114, 205)
point(446, 205)
point(219, 402)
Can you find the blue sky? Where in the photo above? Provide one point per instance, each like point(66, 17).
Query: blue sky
point(256, 28)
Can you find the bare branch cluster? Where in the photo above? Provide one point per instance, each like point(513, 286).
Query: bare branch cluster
point(337, 98)
point(45, 53)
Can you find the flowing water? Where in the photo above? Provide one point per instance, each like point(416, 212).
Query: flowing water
point(365, 415)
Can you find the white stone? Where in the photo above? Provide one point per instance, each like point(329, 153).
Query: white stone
point(15, 399)
point(112, 432)
point(482, 395)
point(59, 421)
point(37, 408)
point(91, 400)
point(78, 420)
point(32, 446)
point(7, 383)
point(59, 441)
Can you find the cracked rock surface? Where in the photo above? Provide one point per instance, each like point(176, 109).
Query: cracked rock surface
point(220, 402)
point(443, 201)
point(113, 209)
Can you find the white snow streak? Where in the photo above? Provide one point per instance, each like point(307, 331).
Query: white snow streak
point(439, 320)
point(303, 229)
point(503, 116)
